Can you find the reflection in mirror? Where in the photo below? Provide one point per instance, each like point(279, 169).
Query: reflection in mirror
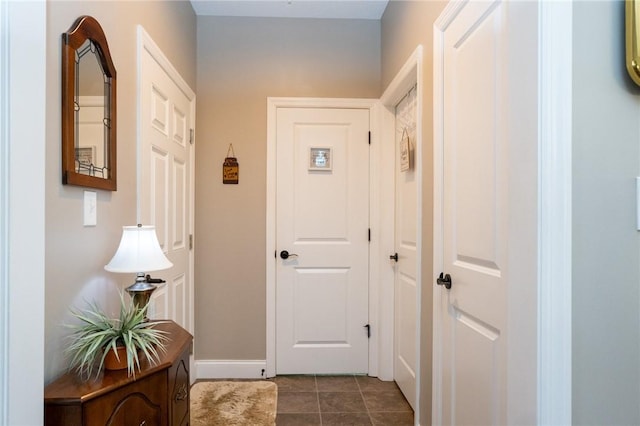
point(88, 107)
point(91, 113)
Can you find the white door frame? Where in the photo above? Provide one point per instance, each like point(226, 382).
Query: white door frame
point(410, 75)
point(553, 307)
point(272, 106)
point(555, 212)
point(146, 43)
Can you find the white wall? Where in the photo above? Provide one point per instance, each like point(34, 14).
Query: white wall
point(606, 253)
point(22, 190)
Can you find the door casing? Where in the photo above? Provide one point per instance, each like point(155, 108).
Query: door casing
point(381, 214)
point(410, 75)
point(379, 338)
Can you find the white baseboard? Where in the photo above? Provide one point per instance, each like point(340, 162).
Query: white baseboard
point(231, 369)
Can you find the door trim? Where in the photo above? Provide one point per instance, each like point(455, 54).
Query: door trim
point(273, 103)
point(440, 25)
point(5, 141)
point(555, 212)
point(146, 43)
point(409, 75)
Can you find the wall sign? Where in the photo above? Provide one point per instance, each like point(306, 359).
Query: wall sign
point(405, 152)
point(320, 159)
point(230, 167)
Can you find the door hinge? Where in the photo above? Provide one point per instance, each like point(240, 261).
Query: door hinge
point(369, 237)
point(191, 136)
point(369, 138)
point(190, 241)
point(368, 327)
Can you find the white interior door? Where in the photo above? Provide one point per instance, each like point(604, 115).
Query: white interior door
point(406, 245)
point(475, 216)
point(165, 193)
point(322, 216)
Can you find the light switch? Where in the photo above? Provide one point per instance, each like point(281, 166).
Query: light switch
point(90, 208)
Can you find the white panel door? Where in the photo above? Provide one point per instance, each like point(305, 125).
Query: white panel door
point(165, 186)
point(475, 219)
point(406, 245)
point(322, 205)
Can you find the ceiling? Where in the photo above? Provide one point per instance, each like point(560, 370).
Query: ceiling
point(341, 9)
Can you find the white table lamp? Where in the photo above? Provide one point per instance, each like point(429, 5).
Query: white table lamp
point(139, 252)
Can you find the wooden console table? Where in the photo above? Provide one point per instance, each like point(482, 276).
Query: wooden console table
point(159, 394)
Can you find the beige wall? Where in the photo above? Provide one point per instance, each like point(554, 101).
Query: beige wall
point(75, 255)
point(405, 25)
point(241, 62)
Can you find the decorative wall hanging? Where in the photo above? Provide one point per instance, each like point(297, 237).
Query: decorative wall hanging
point(320, 159)
point(406, 162)
point(230, 168)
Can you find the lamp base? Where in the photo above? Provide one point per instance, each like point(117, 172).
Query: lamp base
point(140, 292)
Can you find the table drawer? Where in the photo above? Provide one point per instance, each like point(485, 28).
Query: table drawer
point(139, 403)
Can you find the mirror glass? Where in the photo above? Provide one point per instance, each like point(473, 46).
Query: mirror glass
point(91, 114)
point(88, 107)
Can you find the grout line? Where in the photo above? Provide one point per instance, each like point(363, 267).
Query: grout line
point(315, 380)
point(363, 400)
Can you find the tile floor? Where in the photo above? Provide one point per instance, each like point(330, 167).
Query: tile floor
point(340, 400)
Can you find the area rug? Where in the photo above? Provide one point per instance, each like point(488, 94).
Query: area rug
point(224, 403)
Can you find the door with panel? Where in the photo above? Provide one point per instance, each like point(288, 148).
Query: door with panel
point(479, 116)
point(406, 246)
point(322, 222)
point(165, 187)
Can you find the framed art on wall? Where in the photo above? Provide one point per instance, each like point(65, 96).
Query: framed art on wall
point(320, 158)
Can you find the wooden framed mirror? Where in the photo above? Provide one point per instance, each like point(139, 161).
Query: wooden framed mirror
point(88, 107)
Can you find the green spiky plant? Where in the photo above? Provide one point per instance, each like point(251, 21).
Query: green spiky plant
point(97, 334)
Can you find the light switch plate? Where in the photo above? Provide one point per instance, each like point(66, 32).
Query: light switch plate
point(90, 208)
point(638, 203)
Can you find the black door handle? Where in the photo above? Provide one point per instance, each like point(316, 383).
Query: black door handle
point(285, 255)
point(444, 280)
point(394, 256)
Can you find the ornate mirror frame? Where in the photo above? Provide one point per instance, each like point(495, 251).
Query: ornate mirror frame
point(632, 39)
point(73, 171)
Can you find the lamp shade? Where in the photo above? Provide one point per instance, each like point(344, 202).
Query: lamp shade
point(139, 251)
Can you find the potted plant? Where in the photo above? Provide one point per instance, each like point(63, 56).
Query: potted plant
point(98, 337)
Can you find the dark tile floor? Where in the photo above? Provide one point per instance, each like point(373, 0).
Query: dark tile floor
point(340, 400)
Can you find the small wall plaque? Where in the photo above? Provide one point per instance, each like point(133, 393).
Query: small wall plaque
point(320, 159)
point(406, 162)
point(230, 167)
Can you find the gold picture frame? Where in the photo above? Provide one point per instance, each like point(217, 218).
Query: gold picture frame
point(632, 15)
